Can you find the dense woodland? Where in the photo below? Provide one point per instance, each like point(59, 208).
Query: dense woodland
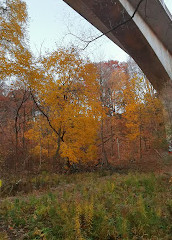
point(61, 112)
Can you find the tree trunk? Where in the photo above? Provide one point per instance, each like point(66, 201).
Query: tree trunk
point(104, 155)
point(57, 157)
point(16, 144)
point(140, 142)
point(112, 142)
point(118, 148)
point(24, 128)
point(40, 149)
point(166, 98)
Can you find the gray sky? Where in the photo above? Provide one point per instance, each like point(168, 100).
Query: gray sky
point(50, 21)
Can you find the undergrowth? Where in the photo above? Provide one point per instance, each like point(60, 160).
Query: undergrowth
point(93, 207)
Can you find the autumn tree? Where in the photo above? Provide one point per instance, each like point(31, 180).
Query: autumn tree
point(15, 58)
point(133, 123)
point(15, 66)
point(67, 96)
point(110, 75)
point(60, 109)
point(142, 111)
point(63, 87)
point(16, 108)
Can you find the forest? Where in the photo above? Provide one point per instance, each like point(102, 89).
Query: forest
point(77, 126)
point(60, 111)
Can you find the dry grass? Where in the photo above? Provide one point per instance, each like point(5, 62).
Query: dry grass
point(92, 206)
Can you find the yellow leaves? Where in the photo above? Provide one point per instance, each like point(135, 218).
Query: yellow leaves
point(13, 20)
point(41, 135)
point(39, 233)
point(80, 140)
point(68, 152)
point(142, 109)
point(39, 149)
point(68, 92)
point(64, 85)
point(83, 217)
point(15, 58)
point(91, 153)
point(21, 13)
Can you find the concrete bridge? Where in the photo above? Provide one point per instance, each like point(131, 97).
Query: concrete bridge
point(146, 37)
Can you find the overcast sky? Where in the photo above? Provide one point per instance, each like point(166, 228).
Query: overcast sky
point(50, 21)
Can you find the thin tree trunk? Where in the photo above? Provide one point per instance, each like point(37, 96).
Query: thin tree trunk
point(48, 149)
point(24, 99)
point(118, 147)
point(104, 155)
point(24, 127)
point(140, 143)
point(40, 150)
point(140, 135)
point(57, 157)
point(112, 142)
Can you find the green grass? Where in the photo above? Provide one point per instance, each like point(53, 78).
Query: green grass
point(93, 207)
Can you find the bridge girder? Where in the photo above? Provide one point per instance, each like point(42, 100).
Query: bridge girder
point(146, 38)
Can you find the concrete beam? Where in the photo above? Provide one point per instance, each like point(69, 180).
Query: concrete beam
point(146, 38)
point(154, 30)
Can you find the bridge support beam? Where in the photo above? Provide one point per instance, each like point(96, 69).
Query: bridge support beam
point(146, 37)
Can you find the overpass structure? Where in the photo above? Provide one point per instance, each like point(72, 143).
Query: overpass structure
point(146, 36)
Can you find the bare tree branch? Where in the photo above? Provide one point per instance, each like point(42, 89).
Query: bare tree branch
point(46, 116)
point(112, 29)
point(106, 140)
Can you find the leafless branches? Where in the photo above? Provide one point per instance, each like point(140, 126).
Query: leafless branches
point(112, 29)
point(46, 116)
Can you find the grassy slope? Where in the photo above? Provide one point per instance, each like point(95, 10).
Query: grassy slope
point(91, 207)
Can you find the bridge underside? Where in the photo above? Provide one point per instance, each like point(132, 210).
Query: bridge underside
point(146, 38)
